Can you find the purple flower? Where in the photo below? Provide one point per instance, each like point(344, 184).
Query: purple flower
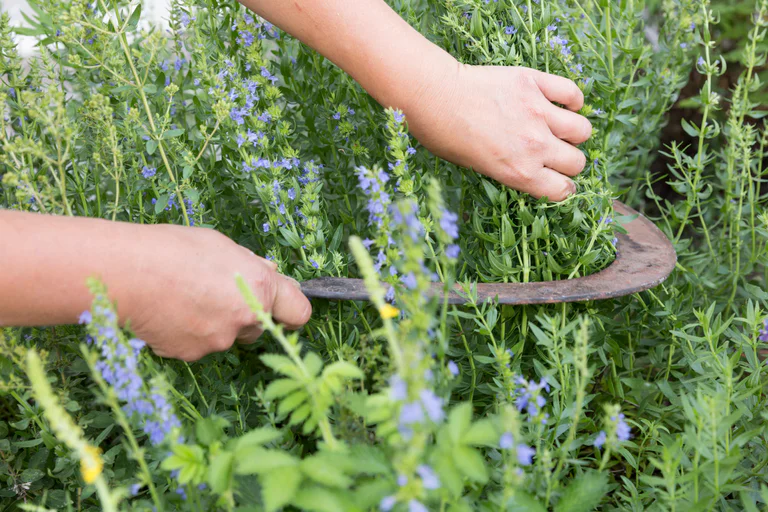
point(506, 442)
point(448, 223)
point(409, 280)
point(416, 506)
point(265, 227)
point(387, 503)
point(524, 454)
point(764, 331)
point(623, 430)
point(398, 388)
point(453, 368)
point(701, 62)
point(428, 477)
point(452, 251)
point(411, 413)
point(510, 30)
point(85, 318)
point(148, 172)
point(135, 488)
point(399, 117)
point(433, 404)
point(599, 440)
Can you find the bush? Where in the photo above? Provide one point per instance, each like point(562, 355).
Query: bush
point(405, 403)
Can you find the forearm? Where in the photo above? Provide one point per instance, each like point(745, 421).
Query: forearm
point(46, 260)
point(368, 40)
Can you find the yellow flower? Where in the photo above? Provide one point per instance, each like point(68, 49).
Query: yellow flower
point(387, 311)
point(91, 464)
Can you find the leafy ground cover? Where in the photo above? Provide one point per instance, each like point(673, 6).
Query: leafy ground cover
point(654, 401)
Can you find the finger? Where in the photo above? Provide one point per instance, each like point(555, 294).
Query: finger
point(568, 126)
point(560, 90)
point(564, 158)
point(249, 334)
point(271, 264)
point(542, 182)
point(290, 307)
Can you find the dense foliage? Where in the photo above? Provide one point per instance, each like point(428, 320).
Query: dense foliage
point(405, 403)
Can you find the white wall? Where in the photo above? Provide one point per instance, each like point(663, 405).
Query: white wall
point(154, 10)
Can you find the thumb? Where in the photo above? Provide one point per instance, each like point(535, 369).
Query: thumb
point(291, 308)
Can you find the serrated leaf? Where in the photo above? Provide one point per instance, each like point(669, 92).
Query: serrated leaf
point(319, 469)
point(313, 363)
point(220, 472)
point(258, 437)
point(282, 364)
point(469, 462)
point(584, 493)
point(291, 402)
point(280, 388)
point(344, 369)
point(279, 487)
point(481, 433)
point(256, 461)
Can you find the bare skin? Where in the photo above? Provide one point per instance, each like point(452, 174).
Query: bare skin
point(175, 284)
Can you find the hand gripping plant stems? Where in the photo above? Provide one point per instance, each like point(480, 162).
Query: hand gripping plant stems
point(644, 259)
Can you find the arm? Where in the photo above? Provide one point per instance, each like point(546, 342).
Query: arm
point(175, 284)
point(518, 136)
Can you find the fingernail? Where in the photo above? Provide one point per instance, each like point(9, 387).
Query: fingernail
point(293, 282)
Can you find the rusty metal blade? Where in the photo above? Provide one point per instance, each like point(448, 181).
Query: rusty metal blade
point(645, 258)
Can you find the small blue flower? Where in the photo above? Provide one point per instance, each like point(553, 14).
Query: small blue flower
point(387, 503)
point(524, 454)
point(265, 227)
point(506, 442)
point(764, 331)
point(416, 506)
point(428, 477)
point(85, 318)
point(398, 388)
point(453, 368)
point(623, 431)
point(402, 480)
point(510, 30)
point(433, 404)
point(452, 251)
point(148, 172)
point(599, 440)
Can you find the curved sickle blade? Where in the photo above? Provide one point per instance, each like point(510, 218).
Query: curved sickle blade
point(645, 258)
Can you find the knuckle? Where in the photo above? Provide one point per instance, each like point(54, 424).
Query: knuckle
point(535, 110)
point(532, 143)
point(221, 343)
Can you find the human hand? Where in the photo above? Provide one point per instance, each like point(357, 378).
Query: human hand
point(184, 301)
point(501, 122)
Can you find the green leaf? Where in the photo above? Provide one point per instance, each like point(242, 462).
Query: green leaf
point(282, 364)
point(344, 369)
point(316, 498)
point(291, 237)
point(133, 21)
point(258, 437)
point(319, 469)
point(170, 134)
point(211, 429)
point(470, 463)
point(189, 460)
point(291, 402)
point(220, 472)
point(279, 487)
point(482, 433)
point(584, 493)
point(151, 147)
point(459, 420)
point(524, 502)
point(255, 460)
point(313, 363)
point(280, 388)
point(31, 475)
